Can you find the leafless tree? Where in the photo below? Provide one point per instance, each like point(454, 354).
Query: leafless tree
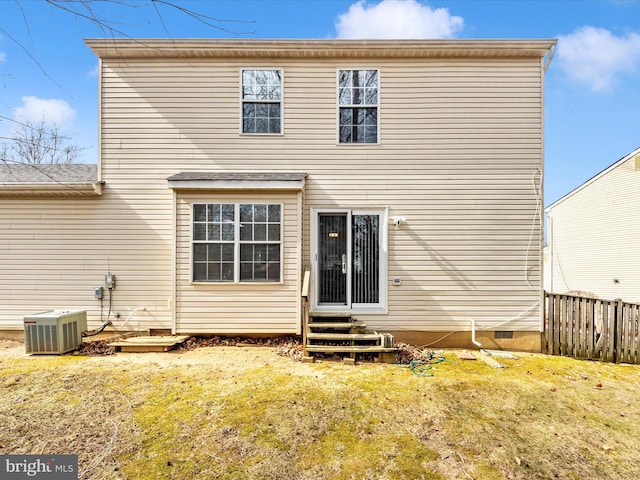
point(36, 144)
point(39, 144)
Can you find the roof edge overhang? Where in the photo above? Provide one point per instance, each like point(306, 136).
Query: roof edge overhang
point(277, 48)
point(236, 181)
point(51, 190)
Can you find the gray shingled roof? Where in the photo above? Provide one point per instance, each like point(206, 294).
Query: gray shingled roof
point(212, 176)
point(11, 174)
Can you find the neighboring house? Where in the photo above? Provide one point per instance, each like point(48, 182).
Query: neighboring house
point(592, 235)
point(403, 175)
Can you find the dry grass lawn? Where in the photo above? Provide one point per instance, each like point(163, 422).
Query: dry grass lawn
point(246, 413)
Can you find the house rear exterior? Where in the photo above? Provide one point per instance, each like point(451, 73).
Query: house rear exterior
point(592, 233)
point(403, 176)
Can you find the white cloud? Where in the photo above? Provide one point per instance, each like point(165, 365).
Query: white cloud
point(402, 19)
point(3, 57)
point(54, 112)
point(595, 57)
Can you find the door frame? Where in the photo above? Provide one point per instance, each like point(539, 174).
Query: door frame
point(378, 308)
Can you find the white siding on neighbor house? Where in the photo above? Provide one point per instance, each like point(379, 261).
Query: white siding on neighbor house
point(239, 307)
point(593, 235)
point(460, 155)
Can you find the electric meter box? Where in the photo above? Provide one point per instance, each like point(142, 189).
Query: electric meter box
point(54, 331)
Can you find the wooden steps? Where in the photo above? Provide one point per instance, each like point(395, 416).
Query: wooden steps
point(335, 325)
point(349, 349)
point(341, 337)
point(331, 333)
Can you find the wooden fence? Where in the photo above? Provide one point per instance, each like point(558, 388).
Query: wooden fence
point(593, 329)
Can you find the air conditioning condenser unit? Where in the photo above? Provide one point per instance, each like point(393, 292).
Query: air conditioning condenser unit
point(54, 331)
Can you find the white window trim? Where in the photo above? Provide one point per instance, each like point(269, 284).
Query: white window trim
point(236, 243)
point(241, 103)
point(374, 309)
point(338, 106)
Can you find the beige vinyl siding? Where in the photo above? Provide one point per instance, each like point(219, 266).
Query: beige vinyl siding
point(238, 307)
point(593, 236)
point(56, 250)
point(459, 156)
point(459, 153)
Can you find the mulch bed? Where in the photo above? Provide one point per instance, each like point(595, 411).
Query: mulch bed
point(286, 346)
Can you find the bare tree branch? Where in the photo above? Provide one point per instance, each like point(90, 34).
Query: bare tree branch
point(37, 144)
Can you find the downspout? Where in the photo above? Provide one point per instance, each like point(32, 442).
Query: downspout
point(174, 259)
point(473, 334)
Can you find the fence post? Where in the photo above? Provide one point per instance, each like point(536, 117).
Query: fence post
point(618, 325)
point(548, 325)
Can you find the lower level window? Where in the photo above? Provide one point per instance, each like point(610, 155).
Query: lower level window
point(237, 242)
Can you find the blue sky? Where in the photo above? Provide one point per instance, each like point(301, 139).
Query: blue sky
point(592, 88)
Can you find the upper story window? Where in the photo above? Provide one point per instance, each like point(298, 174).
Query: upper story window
point(358, 106)
point(261, 101)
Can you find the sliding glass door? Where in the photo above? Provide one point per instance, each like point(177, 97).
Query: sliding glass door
point(349, 253)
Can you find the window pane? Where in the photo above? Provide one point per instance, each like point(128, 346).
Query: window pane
point(213, 252)
point(199, 213)
point(345, 135)
point(260, 232)
point(227, 272)
point(199, 252)
point(213, 213)
point(273, 252)
point(227, 231)
point(262, 110)
point(199, 231)
point(228, 212)
point(199, 272)
point(246, 213)
point(345, 116)
point(227, 252)
point(248, 93)
point(260, 213)
point(344, 78)
point(260, 253)
point(246, 272)
point(371, 134)
point(274, 213)
point(371, 78)
point(260, 271)
point(274, 125)
point(261, 125)
point(344, 96)
point(358, 96)
point(274, 110)
point(246, 232)
point(248, 76)
point(246, 253)
point(273, 272)
point(213, 272)
point(359, 78)
point(248, 110)
point(274, 233)
point(371, 96)
point(214, 232)
point(248, 126)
